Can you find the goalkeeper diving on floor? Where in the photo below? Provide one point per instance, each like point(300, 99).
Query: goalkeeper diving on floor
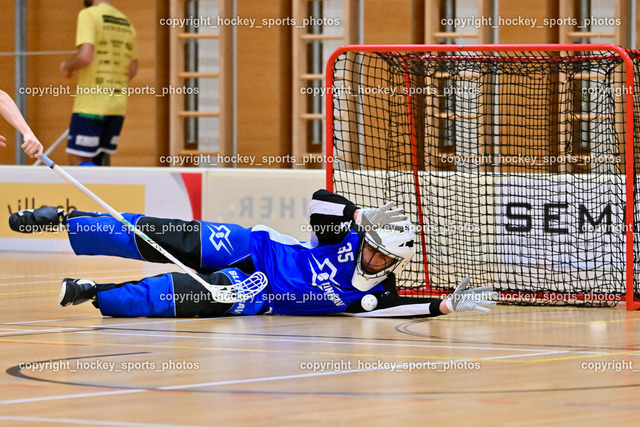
point(347, 267)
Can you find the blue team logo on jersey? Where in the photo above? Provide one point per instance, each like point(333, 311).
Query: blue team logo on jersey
point(324, 274)
point(219, 237)
point(323, 278)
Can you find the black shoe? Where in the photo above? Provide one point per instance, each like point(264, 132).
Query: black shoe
point(76, 291)
point(46, 218)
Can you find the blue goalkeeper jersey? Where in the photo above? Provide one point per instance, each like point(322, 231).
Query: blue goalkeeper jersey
point(309, 278)
point(306, 280)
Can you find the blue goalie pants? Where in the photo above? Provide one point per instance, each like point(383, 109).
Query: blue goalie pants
point(218, 252)
point(174, 295)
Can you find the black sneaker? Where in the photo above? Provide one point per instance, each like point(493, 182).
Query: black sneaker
point(46, 218)
point(76, 291)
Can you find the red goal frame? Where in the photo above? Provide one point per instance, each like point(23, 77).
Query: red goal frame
point(631, 303)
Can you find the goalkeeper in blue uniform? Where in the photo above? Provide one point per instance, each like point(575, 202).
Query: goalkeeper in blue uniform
point(352, 253)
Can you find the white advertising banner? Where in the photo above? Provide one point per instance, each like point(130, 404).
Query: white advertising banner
point(174, 193)
point(275, 198)
point(572, 222)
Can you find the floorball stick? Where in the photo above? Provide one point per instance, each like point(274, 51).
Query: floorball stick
point(227, 294)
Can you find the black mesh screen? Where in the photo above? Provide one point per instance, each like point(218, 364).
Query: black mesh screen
point(511, 164)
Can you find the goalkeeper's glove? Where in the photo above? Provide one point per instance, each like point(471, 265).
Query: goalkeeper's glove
point(477, 299)
point(384, 216)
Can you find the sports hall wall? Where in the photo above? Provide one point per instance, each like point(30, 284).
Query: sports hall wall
point(51, 26)
point(266, 111)
point(241, 196)
point(264, 62)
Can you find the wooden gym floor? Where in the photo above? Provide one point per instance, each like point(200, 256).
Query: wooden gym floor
point(517, 366)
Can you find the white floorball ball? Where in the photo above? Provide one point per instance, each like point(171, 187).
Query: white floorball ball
point(369, 302)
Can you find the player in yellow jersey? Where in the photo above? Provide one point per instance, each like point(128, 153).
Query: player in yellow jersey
point(106, 60)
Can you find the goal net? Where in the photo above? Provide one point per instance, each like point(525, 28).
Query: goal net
point(515, 163)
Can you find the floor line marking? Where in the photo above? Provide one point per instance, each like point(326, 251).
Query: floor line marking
point(210, 384)
point(329, 342)
point(86, 422)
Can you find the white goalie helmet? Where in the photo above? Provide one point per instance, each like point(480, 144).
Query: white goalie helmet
point(395, 240)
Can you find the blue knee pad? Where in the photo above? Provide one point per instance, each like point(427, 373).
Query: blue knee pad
point(103, 235)
point(150, 297)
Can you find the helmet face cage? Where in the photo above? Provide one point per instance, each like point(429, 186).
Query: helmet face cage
point(367, 241)
point(395, 241)
point(401, 242)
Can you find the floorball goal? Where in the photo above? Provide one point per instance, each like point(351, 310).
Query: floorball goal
point(517, 163)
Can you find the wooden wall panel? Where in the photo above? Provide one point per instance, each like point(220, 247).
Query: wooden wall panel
point(525, 32)
point(162, 79)
point(526, 133)
point(263, 67)
point(384, 23)
point(52, 28)
point(387, 22)
point(264, 83)
point(6, 76)
point(139, 142)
